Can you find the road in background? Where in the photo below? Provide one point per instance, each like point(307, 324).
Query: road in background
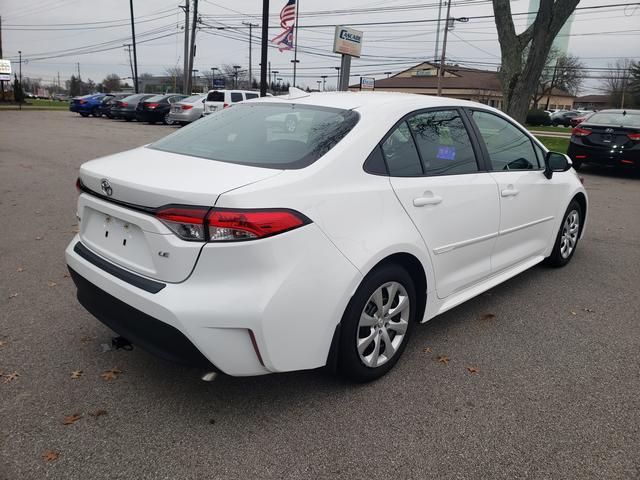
point(555, 393)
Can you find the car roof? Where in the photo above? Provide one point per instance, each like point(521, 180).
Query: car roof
point(359, 100)
point(620, 110)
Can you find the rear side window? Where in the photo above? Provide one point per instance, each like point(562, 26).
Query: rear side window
point(251, 95)
point(508, 147)
point(400, 153)
point(155, 98)
point(282, 136)
point(215, 97)
point(236, 97)
point(443, 143)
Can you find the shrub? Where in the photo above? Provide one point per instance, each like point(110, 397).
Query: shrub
point(537, 117)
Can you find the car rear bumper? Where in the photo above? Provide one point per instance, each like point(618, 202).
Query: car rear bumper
point(605, 157)
point(146, 116)
point(186, 116)
point(248, 308)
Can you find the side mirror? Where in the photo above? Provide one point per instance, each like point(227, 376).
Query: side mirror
point(556, 162)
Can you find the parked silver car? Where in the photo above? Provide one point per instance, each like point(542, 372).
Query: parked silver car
point(188, 110)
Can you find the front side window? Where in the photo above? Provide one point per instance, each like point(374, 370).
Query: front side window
point(508, 147)
point(257, 134)
point(400, 153)
point(443, 143)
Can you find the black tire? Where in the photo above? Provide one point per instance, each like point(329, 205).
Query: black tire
point(95, 112)
point(127, 119)
point(151, 122)
point(84, 114)
point(557, 257)
point(349, 362)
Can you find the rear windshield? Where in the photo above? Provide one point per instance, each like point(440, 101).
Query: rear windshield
point(215, 97)
point(615, 119)
point(157, 98)
point(282, 136)
point(191, 99)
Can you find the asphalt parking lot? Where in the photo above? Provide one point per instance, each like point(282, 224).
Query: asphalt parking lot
point(555, 393)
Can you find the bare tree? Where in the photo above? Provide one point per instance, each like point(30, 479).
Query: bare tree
point(524, 55)
point(565, 72)
point(175, 73)
point(617, 82)
point(111, 83)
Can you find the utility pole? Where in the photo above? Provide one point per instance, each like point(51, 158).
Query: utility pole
point(435, 55)
point(251, 25)
point(135, 56)
point(263, 51)
point(78, 65)
point(269, 72)
point(295, 47)
point(14, 93)
point(624, 88)
point(185, 68)
point(192, 50)
point(59, 86)
point(128, 47)
point(444, 50)
point(236, 68)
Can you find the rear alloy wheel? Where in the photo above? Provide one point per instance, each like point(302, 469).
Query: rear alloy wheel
point(377, 324)
point(568, 236)
point(167, 120)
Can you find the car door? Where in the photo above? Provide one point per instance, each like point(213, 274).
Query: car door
point(436, 171)
point(528, 200)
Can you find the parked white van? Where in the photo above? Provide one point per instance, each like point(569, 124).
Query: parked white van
point(219, 99)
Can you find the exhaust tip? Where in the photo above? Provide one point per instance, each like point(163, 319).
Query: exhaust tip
point(209, 376)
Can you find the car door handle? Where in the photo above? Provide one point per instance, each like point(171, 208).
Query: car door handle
point(431, 200)
point(510, 192)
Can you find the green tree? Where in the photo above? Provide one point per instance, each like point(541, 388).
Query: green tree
point(111, 83)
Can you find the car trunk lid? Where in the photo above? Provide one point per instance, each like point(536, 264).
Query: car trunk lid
point(122, 192)
point(608, 136)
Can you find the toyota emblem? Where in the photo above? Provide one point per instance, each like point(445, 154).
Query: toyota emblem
point(106, 187)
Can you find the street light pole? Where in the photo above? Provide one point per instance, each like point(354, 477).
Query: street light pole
point(324, 81)
point(251, 25)
point(135, 55)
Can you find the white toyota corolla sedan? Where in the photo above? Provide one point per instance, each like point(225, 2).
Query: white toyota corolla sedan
point(241, 245)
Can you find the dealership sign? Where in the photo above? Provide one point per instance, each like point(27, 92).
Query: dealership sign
point(347, 41)
point(367, 83)
point(5, 70)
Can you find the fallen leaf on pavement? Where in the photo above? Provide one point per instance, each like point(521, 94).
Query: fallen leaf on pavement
point(115, 370)
point(50, 456)
point(98, 413)
point(71, 419)
point(19, 269)
point(573, 313)
point(588, 310)
point(66, 275)
point(38, 238)
point(111, 374)
point(11, 377)
point(87, 338)
point(3, 343)
point(13, 295)
point(51, 284)
point(443, 359)
point(76, 374)
point(427, 350)
point(473, 369)
point(487, 316)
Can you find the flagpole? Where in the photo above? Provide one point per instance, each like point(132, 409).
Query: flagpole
point(295, 47)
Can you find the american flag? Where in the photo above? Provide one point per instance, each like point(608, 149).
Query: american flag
point(284, 39)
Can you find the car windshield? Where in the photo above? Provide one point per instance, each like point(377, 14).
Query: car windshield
point(615, 118)
point(192, 99)
point(283, 136)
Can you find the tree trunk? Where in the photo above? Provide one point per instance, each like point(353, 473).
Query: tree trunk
point(525, 55)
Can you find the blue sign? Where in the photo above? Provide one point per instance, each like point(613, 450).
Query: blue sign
point(218, 83)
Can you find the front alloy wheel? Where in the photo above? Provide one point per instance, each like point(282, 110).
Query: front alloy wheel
point(568, 236)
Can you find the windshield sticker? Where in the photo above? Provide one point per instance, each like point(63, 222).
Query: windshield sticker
point(446, 153)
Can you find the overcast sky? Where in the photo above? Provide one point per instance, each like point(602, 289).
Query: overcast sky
point(34, 27)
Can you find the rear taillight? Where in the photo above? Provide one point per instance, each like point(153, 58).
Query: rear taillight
point(186, 107)
point(226, 105)
point(152, 105)
point(188, 223)
point(124, 104)
point(634, 136)
point(82, 102)
point(226, 225)
point(580, 132)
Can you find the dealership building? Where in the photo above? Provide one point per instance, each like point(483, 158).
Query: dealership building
point(460, 82)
